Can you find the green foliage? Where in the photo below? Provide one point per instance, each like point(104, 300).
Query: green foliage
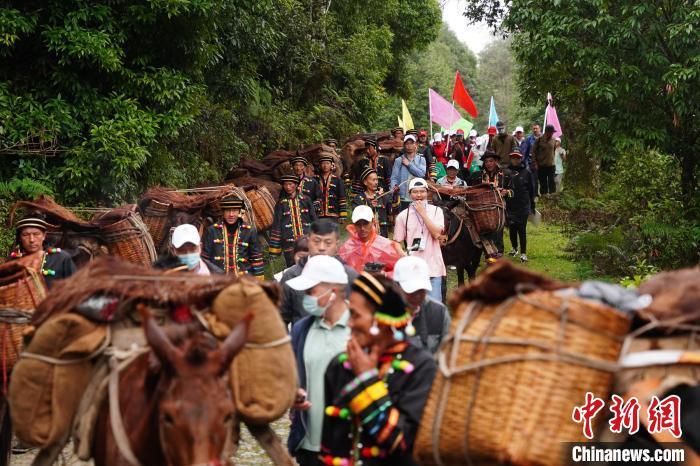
point(99, 100)
point(623, 73)
point(639, 273)
point(642, 191)
point(432, 68)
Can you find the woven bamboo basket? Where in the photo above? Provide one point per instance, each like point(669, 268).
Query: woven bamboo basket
point(21, 291)
point(486, 207)
point(156, 218)
point(658, 337)
point(510, 375)
point(130, 240)
point(263, 205)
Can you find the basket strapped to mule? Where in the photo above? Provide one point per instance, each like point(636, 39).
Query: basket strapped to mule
point(262, 376)
point(486, 207)
point(263, 205)
point(155, 216)
point(21, 290)
point(510, 374)
point(129, 239)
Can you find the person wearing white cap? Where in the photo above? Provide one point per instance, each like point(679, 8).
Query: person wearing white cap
point(365, 249)
point(185, 253)
point(451, 179)
point(520, 139)
point(421, 225)
point(407, 165)
point(316, 340)
point(559, 159)
point(430, 317)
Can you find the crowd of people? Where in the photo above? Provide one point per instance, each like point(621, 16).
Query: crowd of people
point(366, 314)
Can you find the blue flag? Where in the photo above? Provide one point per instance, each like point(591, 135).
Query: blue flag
point(493, 116)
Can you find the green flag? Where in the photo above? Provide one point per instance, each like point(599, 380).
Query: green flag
point(463, 124)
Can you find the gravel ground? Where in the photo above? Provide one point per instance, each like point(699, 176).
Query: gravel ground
point(249, 452)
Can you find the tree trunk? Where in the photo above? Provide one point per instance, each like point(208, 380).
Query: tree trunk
point(582, 165)
point(689, 182)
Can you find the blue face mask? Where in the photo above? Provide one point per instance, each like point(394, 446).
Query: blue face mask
point(190, 260)
point(310, 304)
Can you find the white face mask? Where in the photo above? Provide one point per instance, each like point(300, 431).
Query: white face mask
point(311, 306)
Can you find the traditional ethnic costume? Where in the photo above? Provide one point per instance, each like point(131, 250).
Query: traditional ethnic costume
point(308, 185)
point(500, 179)
point(372, 418)
point(234, 248)
point(379, 202)
point(292, 219)
point(53, 263)
point(333, 202)
point(381, 165)
point(519, 205)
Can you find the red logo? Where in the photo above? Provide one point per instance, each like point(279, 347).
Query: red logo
point(665, 415)
point(587, 412)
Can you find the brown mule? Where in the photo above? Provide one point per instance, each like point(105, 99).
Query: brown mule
point(174, 401)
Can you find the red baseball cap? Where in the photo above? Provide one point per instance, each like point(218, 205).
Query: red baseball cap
point(492, 130)
point(422, 133)
point(460, 131)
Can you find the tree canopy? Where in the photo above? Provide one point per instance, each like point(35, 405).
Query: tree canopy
point(433, 68)
point(624, 74)
point(99, 99)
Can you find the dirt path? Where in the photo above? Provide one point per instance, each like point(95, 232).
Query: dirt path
point(249, 452)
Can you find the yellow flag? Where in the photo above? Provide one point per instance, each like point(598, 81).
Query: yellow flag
point(400, 122)
point(407, 120)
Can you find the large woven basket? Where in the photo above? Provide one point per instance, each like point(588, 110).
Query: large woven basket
point(486, 207)
point(510, 375)
point(21, 291)
point(156, 218)
point(130, 240)
point(657, 338)
point(263, 205)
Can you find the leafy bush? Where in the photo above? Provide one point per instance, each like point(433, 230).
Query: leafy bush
point(655, 230)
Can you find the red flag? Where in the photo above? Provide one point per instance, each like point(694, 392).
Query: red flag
point(462, 97)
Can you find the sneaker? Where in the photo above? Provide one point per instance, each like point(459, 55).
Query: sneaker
point(513, 252)
point(523, 258)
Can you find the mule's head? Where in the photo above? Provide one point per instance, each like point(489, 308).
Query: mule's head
point(195, 410)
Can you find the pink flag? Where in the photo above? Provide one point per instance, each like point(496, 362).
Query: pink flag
point(551, 117)
point(441, 111)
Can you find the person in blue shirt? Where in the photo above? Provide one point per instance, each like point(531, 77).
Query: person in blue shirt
point(409, 164)
point(528, 161)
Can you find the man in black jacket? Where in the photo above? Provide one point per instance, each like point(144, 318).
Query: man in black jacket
point(185, 253)
point(520, 204)
point(323, 240)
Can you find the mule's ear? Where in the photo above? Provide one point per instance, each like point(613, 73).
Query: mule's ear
point(165, 351)
point(234, 342)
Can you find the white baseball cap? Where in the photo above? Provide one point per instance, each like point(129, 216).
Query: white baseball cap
point(412, 274)
point(362, 212)
point(520, 129)
point(473, 133)
point(185, 233)
point(453, 164)
point(417, 183)
point(319, 269)
point(409, 136)
point(437, 137)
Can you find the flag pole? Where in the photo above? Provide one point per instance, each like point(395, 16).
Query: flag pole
point(430, 115)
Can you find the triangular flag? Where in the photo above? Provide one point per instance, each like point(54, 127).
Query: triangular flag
point(400, 122)
point(407, 120)
point(464, 125)
point(551, 117)
point(462, 98)
point(493, 116)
